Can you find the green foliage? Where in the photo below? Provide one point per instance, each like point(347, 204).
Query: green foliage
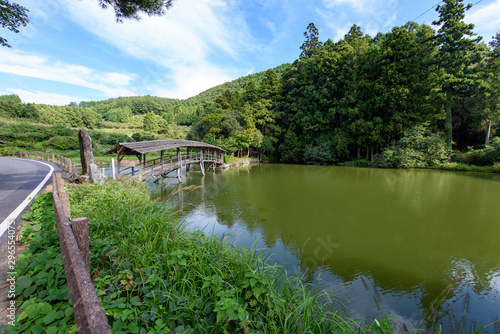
point(12, 98)
point(64, 143)
point(458, 53)
point(41, 289)
point(417, 148)
point(150, 124)
point(12, 17)
point(130, 9)
point(484, 157)
point(318, 154)
point(112, 139)
point(140, 136)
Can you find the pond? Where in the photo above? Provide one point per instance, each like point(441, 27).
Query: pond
point(421, 246)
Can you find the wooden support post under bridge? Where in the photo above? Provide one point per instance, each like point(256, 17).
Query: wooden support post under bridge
point(179, 161)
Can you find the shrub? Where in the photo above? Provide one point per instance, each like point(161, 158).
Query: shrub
point(142, 136)
point(318, 154)
point(419, 147)
point(64, 143)
point(113, 139)
point(485, 157)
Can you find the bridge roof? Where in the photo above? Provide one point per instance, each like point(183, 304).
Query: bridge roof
point(143, 147)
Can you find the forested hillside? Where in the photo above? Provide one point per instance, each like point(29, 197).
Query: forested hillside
point(414, 96)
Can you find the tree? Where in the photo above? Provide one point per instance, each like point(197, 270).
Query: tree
point(150, 123)
point(12, 16)
point(130, 9)
point(312, 45)
point(457, 54)
point(492, 82)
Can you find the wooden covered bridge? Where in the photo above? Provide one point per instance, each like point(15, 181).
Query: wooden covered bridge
point(160, 168)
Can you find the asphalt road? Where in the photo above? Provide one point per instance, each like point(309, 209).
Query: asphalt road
point(20, 181)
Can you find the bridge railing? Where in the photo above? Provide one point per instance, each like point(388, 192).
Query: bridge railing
point(169, 163)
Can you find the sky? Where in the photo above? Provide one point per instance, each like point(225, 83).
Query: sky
point(73, 50)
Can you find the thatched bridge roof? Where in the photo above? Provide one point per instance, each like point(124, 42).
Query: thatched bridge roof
point(143, 147)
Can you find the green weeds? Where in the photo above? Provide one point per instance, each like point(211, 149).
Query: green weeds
point(41, 288)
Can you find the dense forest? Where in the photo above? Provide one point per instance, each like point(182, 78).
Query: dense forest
point(413, 96)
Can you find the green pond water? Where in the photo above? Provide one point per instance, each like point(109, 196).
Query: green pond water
point(386, 242)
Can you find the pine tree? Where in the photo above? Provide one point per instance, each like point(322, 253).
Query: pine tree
point(312, 45)
point(457, 53)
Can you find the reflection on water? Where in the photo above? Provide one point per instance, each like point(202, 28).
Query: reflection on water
point(392, 242)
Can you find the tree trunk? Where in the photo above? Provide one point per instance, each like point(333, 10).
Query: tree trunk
point(359, 152)
point(488, 133)
point(448, 126)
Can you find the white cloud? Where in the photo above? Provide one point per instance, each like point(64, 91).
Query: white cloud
point(372, 16)
point(43, 97)
point(189, 80)
point(361, 5)
point(37, 66)
point(194, 34)
point(486, 19)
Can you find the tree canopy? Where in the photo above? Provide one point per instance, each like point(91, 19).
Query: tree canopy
point(12, 17)
point(127, 9)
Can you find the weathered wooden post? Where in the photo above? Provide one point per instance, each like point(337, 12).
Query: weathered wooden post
point(86, 155)
point(162, 161)
point(53, 157)
point(179, 161)
point(188, 165)
point(202, 164)
point(63, 194)
point(70, 166)
point(80, 227)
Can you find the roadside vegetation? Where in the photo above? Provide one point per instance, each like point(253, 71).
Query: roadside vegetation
point(155, 276)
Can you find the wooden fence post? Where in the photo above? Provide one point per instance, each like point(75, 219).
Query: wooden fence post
point(80, 227)
point(63, 194)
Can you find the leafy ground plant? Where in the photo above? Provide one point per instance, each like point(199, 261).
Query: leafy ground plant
point(41, 288)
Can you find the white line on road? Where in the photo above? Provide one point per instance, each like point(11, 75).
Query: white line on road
point(10, 219)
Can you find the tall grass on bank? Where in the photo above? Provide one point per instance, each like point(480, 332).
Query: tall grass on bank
point(155, 276)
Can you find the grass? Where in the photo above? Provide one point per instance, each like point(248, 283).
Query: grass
point(454, 166)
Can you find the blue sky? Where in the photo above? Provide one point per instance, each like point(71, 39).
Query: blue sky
point(74, 51)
